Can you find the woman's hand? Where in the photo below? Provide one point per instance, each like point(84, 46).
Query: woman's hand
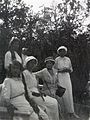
point(10, 107)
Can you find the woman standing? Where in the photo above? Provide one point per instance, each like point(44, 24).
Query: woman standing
point(64, 67)
point(12, 53)
point(47, 103)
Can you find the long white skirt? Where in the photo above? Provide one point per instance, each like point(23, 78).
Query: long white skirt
point(66, 100)
point(50, 105)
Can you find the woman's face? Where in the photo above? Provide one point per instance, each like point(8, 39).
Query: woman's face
point(15, 70)
point(31, 65)
point(15, 45)
point(49, 64)
point(62, 52)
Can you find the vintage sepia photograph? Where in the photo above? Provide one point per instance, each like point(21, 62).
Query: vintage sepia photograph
point(44, 59)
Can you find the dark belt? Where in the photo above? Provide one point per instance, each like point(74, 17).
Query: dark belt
point(16, 96)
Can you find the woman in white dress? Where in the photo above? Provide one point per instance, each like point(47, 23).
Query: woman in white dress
point(48, 75)
point(12, 52)
point(47, 103)
point(64, 67)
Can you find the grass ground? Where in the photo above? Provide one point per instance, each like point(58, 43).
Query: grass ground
point(82, 110)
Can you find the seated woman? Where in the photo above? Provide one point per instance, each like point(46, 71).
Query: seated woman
point(49, 77)
point(47, 103)
point(13, 92)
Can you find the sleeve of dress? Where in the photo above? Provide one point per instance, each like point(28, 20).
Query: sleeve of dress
point(7, 60)
point(6, 90)
point(56, 64)
point(70, 65)
point(39, 74)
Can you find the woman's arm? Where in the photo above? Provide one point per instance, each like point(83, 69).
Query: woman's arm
point(6, 94)
point(38, 74)
point(6, 91)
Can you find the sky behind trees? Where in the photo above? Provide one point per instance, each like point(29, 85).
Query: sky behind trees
point(37, 4)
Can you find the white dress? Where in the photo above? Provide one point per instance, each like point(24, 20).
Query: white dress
point(12, 88)
point(65, 81)
point(49, 104)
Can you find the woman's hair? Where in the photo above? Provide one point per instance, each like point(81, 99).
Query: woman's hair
point(16, 63)
point(13, 39)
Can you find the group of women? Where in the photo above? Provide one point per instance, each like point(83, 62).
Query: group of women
point(20, 82)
